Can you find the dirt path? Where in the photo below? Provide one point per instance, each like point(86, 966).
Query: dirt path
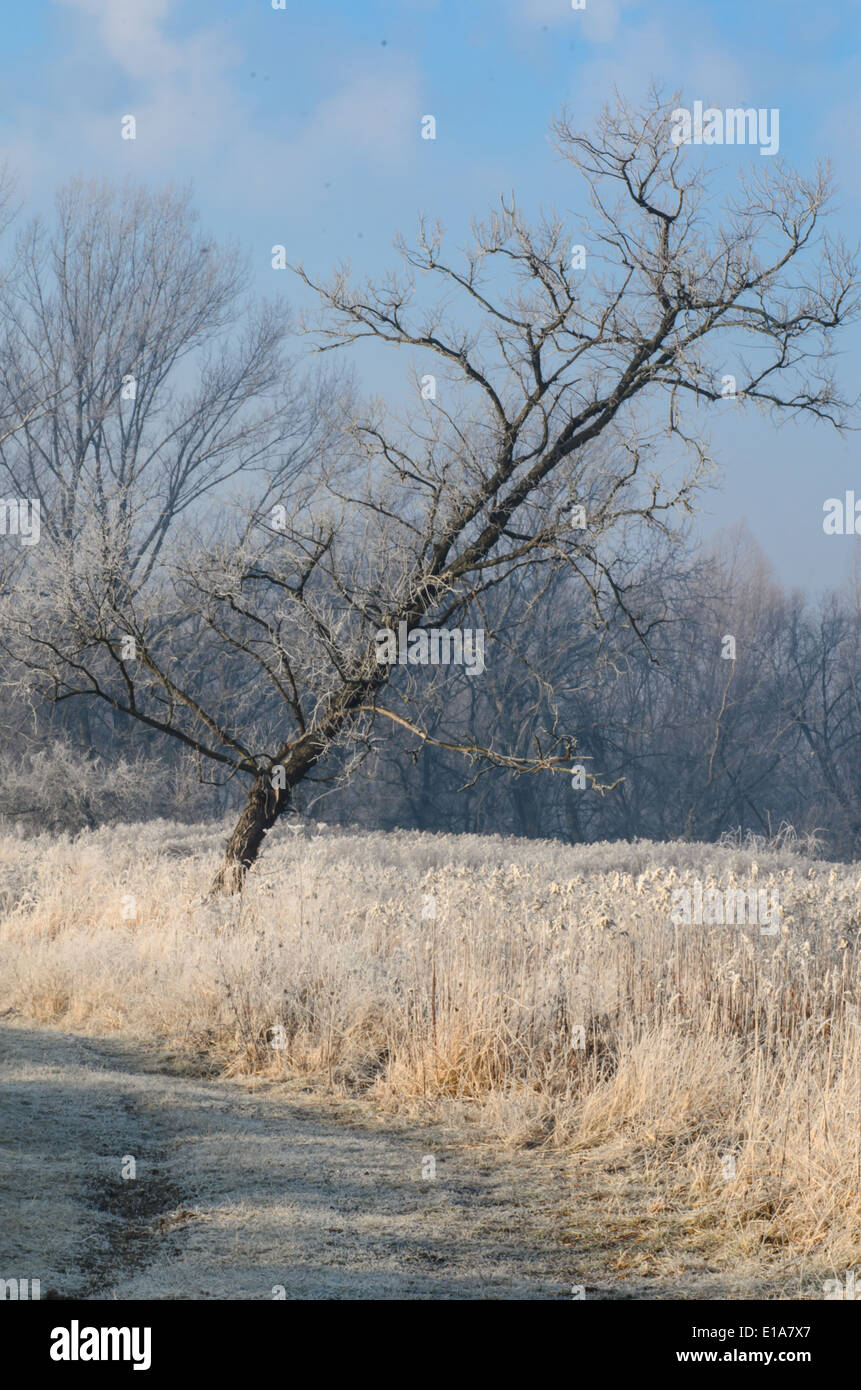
point(243, 1187)
point(239, 1190)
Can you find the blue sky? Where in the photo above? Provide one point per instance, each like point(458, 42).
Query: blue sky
point(301, 126)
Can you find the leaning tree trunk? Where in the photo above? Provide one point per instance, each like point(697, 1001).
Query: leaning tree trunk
point(262, 809)
point(266, 803)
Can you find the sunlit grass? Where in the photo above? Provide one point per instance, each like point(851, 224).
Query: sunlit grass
point(425, 969)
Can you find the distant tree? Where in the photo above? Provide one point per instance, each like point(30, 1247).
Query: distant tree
point(822, 700)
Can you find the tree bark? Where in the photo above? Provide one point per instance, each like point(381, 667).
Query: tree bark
point(266, 803)
point(262, 809)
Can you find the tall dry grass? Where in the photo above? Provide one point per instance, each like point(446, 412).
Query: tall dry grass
point(725, 1061)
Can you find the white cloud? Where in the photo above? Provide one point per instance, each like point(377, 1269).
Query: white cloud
point(194, 120)
point(131, 33)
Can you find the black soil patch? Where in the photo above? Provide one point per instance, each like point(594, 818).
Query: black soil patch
point(140, 1215)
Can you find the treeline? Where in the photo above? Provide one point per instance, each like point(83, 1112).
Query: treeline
point(676, 737)
point(688, 741)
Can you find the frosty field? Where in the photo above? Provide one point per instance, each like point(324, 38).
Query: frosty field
point(700, 1084)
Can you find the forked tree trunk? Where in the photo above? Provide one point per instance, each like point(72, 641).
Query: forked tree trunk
point(266, 803)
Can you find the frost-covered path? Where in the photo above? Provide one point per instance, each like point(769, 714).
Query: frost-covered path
point(239, 1190)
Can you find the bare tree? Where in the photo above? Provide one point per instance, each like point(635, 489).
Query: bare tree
point(116, 300)
point(558, 388)
point(137, 378)
point(822, 699)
